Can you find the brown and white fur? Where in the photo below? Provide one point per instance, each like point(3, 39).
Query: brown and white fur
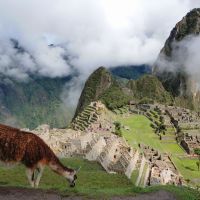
point(18, 146)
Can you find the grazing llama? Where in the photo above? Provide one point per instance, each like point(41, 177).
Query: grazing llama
point(17, 146)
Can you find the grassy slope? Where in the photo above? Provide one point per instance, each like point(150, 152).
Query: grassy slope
point(141, 132)
point(92, 181)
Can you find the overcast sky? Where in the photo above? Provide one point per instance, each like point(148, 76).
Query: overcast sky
point(91, 33)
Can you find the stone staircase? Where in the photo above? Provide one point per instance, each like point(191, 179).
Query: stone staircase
point(88, 116)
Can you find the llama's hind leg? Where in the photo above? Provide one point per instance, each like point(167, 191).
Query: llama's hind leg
point(30, 176)
point(39, 175)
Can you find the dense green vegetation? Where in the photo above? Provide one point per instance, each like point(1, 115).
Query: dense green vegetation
point(118, 128)
point(114, 97)
point(149, 87)
point(29, 104)
point(92, 181)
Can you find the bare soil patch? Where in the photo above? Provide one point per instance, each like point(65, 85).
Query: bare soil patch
point(8, 193)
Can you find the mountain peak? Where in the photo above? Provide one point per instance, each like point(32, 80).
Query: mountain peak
point(96, 84)
point(189, 25)
point(176, 80)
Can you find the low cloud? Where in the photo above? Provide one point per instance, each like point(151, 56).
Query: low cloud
point(89, 33)
point(71, 92)
point(184, 57)
point(85, 35)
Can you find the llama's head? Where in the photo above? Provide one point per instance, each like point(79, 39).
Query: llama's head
point(71, 177)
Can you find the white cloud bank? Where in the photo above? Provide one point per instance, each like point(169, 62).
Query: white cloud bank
point(90, 33)
point(185, 57)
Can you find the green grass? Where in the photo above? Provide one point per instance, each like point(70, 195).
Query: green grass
point(141, 132)
point(92, 182)
point(134, 176)
point(172, 148)
point(92, 179)
point(188, 168)
point(141, 183)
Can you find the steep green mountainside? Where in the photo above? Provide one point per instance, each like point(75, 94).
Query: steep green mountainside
point(29, 104)
point(177, 81)
point(150, 88)
point(101, 85)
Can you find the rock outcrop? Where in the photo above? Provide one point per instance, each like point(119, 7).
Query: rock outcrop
point(170, 71)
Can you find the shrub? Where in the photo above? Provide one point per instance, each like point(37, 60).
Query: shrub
point(118, 128)
point(152, 126)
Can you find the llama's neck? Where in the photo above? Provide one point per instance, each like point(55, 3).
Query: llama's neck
point(59, 168)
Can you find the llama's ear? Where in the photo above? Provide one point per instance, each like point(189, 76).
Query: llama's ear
point(78, 169)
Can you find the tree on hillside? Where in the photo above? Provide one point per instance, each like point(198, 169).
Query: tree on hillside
point(198, 164)
point(118, 128)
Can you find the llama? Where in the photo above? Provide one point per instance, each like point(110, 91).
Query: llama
point(17, 146)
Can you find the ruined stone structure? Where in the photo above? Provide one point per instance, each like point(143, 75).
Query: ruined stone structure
point(88, 117)
point(184, 122)
point(190, 142)
point(162, 170)
point(109, 150)
point(186, 119)
point(92, 138)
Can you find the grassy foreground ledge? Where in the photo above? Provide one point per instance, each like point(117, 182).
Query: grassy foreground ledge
point(92, 181)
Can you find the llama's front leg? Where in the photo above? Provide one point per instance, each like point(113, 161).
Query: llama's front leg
point(30, 176)
point(39, 175)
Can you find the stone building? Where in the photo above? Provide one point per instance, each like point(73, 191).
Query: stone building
point(190, 142)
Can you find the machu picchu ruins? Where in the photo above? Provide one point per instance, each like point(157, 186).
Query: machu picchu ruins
point(92, 136)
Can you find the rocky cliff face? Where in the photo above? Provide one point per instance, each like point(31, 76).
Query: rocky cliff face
point(169, 70)
point(190, 24)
